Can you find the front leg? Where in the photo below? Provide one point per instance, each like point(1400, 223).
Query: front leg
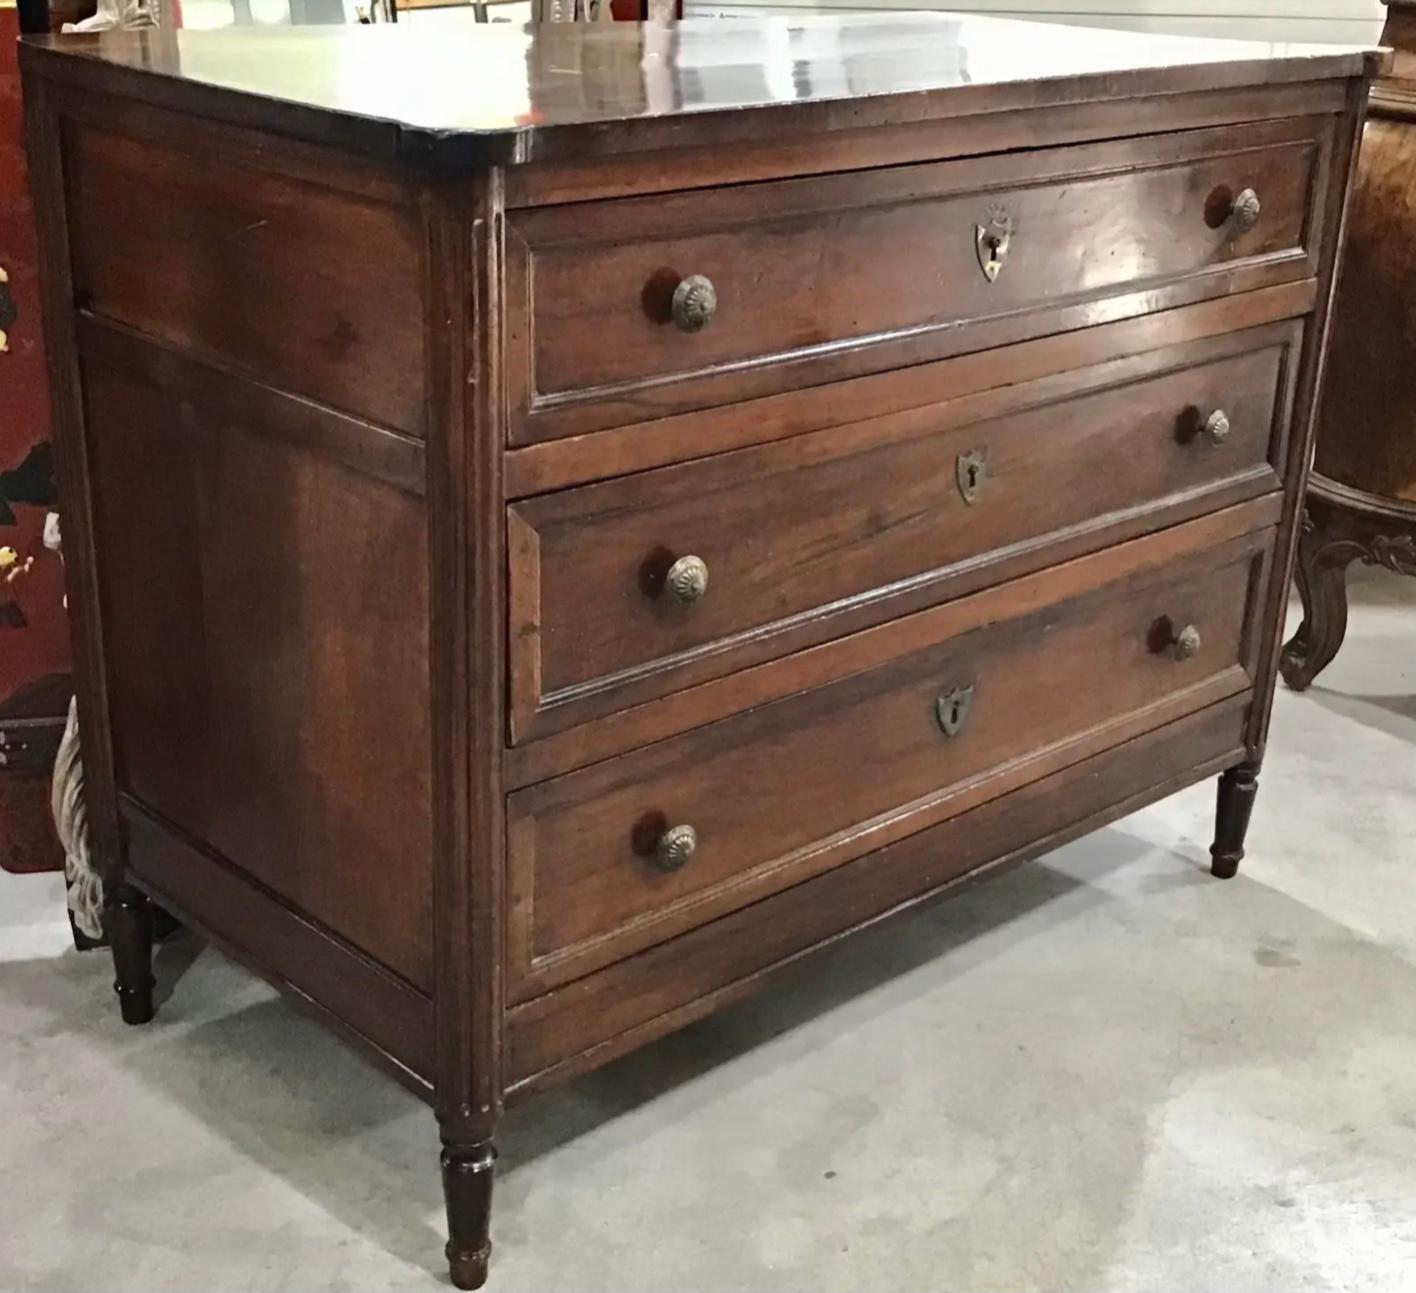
point(467, 1190)
point(128, 922)
point(1237, 788)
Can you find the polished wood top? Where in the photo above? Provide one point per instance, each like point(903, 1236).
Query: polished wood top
point(469, 94)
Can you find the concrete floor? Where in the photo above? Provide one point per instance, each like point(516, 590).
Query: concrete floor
point(1103, 1071)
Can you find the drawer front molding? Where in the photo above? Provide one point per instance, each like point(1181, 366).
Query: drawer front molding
point(802, 293)
point(624, 591)
point(877, 755)
point(585, 1023)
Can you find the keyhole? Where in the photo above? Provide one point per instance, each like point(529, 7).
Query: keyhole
point(954, 714)
point(973, 476)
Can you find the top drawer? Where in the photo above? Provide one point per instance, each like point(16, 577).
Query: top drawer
point(622, 311)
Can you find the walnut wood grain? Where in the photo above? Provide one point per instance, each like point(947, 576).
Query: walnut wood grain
point(1367, 434)
point(600, 1016)
point(758, 684)
point(385, 1017)
point(674, 165)
point(262, 729)
point(285, 266)
point(801, 298)
point(846, 522)
point(989, 375)
point(775, 794)
point(354, 464)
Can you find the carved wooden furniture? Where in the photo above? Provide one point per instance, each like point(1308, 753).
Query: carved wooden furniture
point(543, 563)
point(1361, 502)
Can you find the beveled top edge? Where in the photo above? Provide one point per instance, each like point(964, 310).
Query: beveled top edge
point(503, 94)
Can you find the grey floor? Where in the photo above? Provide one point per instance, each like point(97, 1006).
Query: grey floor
point(1103, 1071)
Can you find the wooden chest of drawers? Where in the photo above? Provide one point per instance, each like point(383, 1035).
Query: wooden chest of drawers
point(540, 564)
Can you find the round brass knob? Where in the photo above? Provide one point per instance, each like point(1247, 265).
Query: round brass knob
point(1216, 427)
point(674, 847)
point(1244, 214)
point(695, 302)
point(1185, 643)
point(687, 579)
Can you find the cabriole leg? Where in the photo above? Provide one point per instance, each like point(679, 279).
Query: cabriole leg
point(128, 919)
point(1237, 788)
point(467, 1189)
point(1321, 576)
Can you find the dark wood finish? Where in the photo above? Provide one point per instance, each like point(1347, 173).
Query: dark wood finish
point(1362, 498)
point(34, 16)
point(260, 410)
point(331, 810)
point(46, 173)
point(1340, 526)
point(462, 229)
point(585, 887)
point(371, 691)
point(844, 523)
point(823, 663)
point(467, 1188)
point(127, 920)
point(801, 298)
point(876, 140)
point(1237, 788)
point(387, 1019)
point(557, 104)
point(287, 267)
point(988, 375)
point(598, 1017)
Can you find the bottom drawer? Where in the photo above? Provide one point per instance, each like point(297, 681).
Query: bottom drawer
point(606, 1014)
point(938, 710)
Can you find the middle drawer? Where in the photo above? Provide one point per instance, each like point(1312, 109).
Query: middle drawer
point(624, 591)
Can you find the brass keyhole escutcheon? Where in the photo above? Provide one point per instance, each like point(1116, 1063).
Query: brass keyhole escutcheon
point(992, 241)
point(952, 709)
point(971, 472)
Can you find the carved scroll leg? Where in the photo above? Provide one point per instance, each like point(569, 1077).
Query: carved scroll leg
point(1322, 584)
point(1237, 788)
point(467, 1189)
point(128, 919)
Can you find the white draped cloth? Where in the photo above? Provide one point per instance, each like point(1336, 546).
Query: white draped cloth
point(66, 802)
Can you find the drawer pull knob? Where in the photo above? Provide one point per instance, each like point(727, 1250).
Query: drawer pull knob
point(1244, 214)
point(1185, 643)
point(695, 302)
point(687, 579)
point(674, 848)
point(952, 709)
point(1216, 428)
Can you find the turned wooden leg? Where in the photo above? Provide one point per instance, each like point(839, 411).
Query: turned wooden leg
point(467, 1189)
point(128, 919)
point(1237, 788)
point(1322, 584)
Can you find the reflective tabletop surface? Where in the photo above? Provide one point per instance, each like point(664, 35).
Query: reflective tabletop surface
point(461, 76)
